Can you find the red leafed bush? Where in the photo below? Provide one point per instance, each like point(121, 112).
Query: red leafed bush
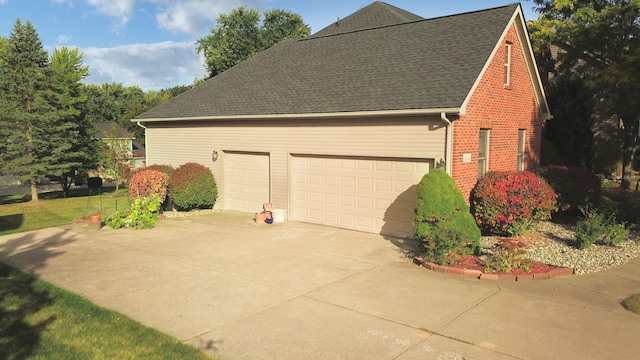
point(146, 182)
point(167, 169)
point(510, 203)
point(192, 186)
point(574, 185)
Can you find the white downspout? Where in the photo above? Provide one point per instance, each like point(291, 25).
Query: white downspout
point(146, 156)
point(449, 144)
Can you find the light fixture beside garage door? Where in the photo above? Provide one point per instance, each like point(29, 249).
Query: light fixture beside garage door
point(214, 155)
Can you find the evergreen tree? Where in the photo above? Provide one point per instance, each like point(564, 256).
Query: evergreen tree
point(30, 124)
point(68, 70)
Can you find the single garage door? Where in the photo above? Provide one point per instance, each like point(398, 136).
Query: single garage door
point(246, 181)
point(369, 194)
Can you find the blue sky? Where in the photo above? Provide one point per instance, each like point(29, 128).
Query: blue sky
point(151, 43)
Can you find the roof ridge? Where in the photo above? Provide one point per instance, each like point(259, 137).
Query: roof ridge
point(395, 11)
point(406, 23)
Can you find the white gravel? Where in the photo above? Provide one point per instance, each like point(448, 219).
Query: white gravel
point(555, 244)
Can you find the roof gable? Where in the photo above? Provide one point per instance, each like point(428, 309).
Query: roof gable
point(376, 14)
point(425, 64)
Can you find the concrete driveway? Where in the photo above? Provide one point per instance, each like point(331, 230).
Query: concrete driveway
point(240, 290)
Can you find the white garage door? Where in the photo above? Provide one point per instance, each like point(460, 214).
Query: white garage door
point(368, 194)
point(246, 182)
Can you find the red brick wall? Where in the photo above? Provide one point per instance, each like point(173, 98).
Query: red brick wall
point(502, 109)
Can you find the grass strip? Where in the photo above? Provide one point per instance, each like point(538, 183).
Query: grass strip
point(18, 214)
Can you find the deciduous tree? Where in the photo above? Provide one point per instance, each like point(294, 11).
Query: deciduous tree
point(239, 35)
point(599, 43)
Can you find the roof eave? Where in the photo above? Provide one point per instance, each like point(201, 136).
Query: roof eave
point(308, 116)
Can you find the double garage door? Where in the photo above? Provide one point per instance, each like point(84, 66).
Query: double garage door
point(369, 194)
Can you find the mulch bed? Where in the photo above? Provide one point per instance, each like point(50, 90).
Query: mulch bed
point(473, 262)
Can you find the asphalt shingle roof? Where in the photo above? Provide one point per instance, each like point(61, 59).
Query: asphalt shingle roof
point(376, 14)
point(109, 128)
point(425, 64)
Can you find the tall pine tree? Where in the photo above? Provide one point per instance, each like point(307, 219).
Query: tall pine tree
point(82, 148)
point(32, 125)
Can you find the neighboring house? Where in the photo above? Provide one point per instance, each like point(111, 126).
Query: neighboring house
point(338, 128)
point(135, 151)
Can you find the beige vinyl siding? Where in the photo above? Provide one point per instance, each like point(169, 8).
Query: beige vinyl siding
point(179, 142)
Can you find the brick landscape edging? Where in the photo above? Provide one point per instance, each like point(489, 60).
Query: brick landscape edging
point(555, 273)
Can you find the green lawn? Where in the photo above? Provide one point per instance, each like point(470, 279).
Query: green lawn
point(41, 321)
point(18, 214)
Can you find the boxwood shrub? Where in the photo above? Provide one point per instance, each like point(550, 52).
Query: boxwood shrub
point(509, 203)
point(443, 222)
point(192, 186)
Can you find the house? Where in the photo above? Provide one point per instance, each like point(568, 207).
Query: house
point(338, 128)
point(125, 140)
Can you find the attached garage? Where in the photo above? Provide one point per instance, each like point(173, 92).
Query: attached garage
point(368, 194)
point(246, 180)
point(338, 128)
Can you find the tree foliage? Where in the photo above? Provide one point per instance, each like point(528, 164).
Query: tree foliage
point(239, 35)
point(599, 43)
point(115, 154)
point(67, 72)
point(32, 126)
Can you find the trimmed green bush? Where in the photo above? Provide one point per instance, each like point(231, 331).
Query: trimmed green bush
point(443, 222)
point(509, 203)
point(147, 182)
point(574, 185)
point(192, 186)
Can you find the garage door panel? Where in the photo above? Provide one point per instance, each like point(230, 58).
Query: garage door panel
point(246, 181)
point(369, 194)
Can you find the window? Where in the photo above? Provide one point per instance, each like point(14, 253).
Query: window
point(521, 149)
point(507, 64)
point(483, 153)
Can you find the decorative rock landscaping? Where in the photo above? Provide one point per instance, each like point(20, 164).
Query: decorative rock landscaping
point(554, 244)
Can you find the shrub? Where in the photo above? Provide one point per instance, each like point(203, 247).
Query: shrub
point(510, 254)
point(165, 169)
point(443, 222)
point(510, 203)
point(574, 185)
point(143, 214)
point(599, 225)
point(192, 186)
point(146, 182)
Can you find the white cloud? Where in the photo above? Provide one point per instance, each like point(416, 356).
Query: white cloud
point(150, 66)
point(64, 39)
point(195, 16)
point(121, 10)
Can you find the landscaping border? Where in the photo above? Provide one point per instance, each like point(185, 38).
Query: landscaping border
point(555, 273)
